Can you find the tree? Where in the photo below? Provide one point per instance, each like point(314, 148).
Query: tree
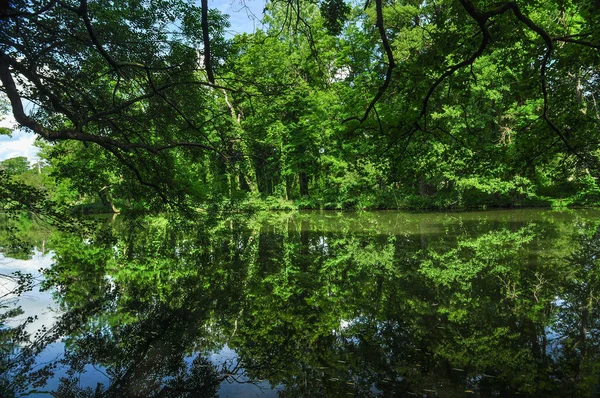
point(15, 166)
point(121, 83)
point(445, 99)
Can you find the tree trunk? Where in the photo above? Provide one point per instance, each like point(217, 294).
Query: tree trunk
point(244, 186)
point(303, 184)
point(206, 40)
point(106, 198)
point(289, 182)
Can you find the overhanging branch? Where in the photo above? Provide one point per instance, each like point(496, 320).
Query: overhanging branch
point(482, 17)
point(21, 117)
point(391, 63)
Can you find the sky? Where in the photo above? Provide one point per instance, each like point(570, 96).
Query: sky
point(244, 16)
point(19, 144)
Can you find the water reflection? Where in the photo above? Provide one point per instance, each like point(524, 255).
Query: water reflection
point(488, 303)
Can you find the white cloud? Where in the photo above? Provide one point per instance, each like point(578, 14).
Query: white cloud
point(8, 121)
point(21, 144)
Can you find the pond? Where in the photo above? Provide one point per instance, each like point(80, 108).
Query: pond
point(491, 303)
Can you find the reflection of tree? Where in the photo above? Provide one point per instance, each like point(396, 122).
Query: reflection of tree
point(198, 378)
point(329, 313)
point(139, 306)
point(16, 359)
point(468, 313)
point(576, 345)
point(21, 234)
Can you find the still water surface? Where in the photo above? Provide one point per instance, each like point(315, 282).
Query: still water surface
point(495, 303)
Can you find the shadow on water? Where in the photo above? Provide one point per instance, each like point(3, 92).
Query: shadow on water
point(500, 303)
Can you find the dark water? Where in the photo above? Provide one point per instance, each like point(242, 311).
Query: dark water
point(495, 303)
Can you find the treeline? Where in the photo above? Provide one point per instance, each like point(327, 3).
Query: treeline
point(401, 104)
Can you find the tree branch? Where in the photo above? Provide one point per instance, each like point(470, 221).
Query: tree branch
point(72, 134)
point(549, 49)
point(82, 11)
point(391, 63)
point(39, 85)
point(6, 14)
point(576, 41)
point(482, 18)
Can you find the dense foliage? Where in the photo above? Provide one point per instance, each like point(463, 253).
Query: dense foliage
point(145, 105)
point(448, 103)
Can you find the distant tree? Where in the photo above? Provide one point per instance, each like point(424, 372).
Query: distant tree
point(14, 166)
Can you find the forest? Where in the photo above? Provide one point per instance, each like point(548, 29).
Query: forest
point(382, 104)
point(193, 128)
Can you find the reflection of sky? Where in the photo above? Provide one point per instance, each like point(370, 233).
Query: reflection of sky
point(244, 16)
point(241, 388)
point(41, 304)
point(33, 302)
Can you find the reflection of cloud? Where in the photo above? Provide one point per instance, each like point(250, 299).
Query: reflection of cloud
point(8, 286)
point(33, 303)
point(38, 260)
point(21, 144)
